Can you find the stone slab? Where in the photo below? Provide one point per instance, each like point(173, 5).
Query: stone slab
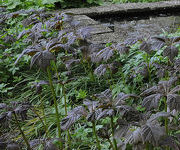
point(103, 34)
point(106, 38)
point(128, 7)
point(99, 29)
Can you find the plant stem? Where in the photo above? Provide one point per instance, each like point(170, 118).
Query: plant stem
point(55, 105)
point(148, 68)
point(111, 144)
point(65, 100)
point(44, 125)
point(94, 131)
point(166, 120)
point(65, 103)
point(22, 133)
point(44, 115)
point(91, 72)
point(112, 127)
point(147, 146)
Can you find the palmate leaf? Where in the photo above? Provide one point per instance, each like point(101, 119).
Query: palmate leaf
point(38, 85)
point(70, 62)
point(89, 50)
point(129, 113)
point(162, 69)
point(169, 141)
point(176, 39)
point(165, 86)
point(158, 42)
point(71, 38)
point(145, 46)
point(35, 58)
point(132, 40)
point(121, 97)
point(177, 65)
point(58, 47)
point(152, 101)
point(73, 116)
point(30, 20)
point(123, 127)
point(26, 51)
point(22, 111)
point(106, 53)
point(152, 133)
point(154, 94)
point(104, 96)
point(92, 116)
point(94, 111)
point(51, 43)
point(173, 102)
point(141, 69)
point(101, 70)
point(175, 90)
point(149, 91)
point(134, 137)
point(84, 33)
point(105, 113)
point(122, 48)
point(35, 33)
point(149, 132)
point(171, 52)
point(91, 105)
point(42, 59)
point(144, 131)
point(158, 115)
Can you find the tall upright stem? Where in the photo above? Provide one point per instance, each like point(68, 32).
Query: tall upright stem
point(94, 131)
point(65, 102)
point(44, 115)
point(166, 119)
point(22, 133)
point(148, 68)
point(112, 127)
point(55, 105)
point(147, 145)
point(44, 125)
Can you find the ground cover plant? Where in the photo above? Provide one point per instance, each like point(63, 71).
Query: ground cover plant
point(13, 5)
point(58, 90)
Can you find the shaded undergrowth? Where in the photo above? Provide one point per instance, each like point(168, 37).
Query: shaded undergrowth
point(61, 91)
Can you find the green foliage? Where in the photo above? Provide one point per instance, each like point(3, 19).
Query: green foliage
point(124, 94)
point(81, 94)
point(26, 4)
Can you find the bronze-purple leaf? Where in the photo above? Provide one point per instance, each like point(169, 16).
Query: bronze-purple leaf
point(73, 116)
point(152, 101)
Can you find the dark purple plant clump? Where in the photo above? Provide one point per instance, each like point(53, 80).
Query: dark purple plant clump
point(81, 95)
